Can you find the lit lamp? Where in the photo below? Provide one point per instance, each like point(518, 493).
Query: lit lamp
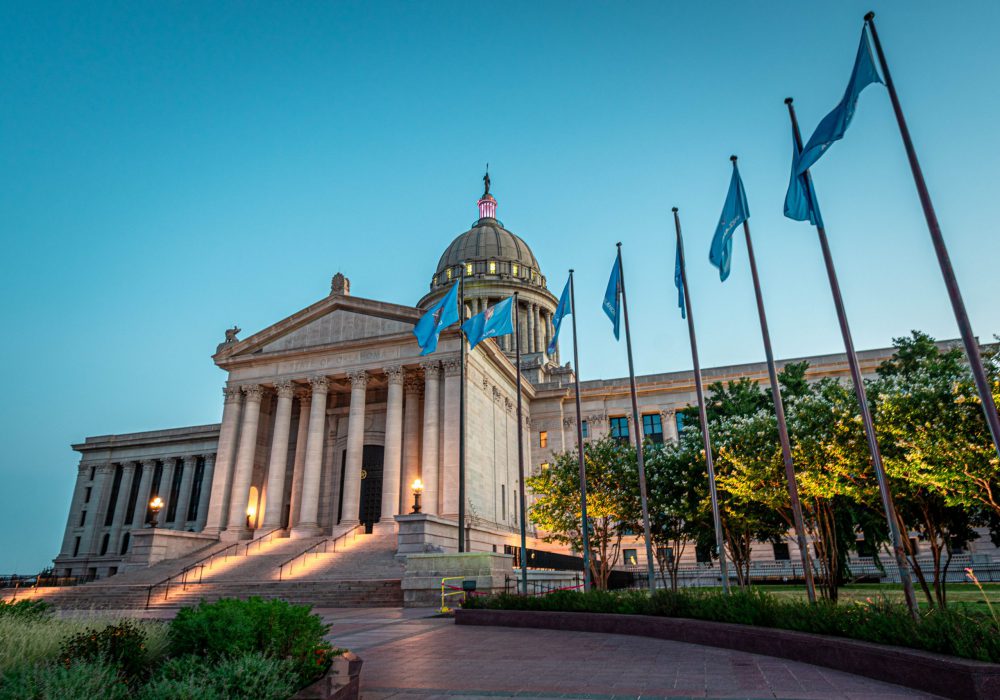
point(418, 488)
point(156, 505)
point(251, 511)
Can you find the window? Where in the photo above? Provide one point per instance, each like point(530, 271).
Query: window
point(175, 490)
point(513, 269)
point(104, 543)
point(76, 546)
point(448, 272)
point(679, 419)
point(83, 518)
point(619, 428)
point(434, 281)
point(586, 429)
point(703, 553)
point(543, 439)
point(781, 551)
point(545, 466)
point(652, 428)
point(503, 501)
point(125, 541)
point(196, 487)
point(631, 557)
point(116, 485)
point(493, 267)
point(468, 269)
point(86, 495)
point(93, 470)
point(665, 555)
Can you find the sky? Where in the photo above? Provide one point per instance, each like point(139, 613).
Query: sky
point(169, 169)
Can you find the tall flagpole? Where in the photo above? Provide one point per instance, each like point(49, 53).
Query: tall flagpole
point(461, 417)
point(585, 521)
point(520, 449)
point(859, 390)
point(703, 414)
point(779, 412)
point(944, 259)
point(637, 424)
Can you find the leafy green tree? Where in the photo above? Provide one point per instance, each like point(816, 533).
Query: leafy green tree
point(612, 502)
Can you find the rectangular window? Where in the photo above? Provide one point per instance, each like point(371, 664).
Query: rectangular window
point(493, 267)
point(586, 428)
point(83, 518)
point(196, 487)
point(543, 439)
point(679, 420)
point(631, 557)
point(76, 546)
point(652, 428)
point(448, 271)
point(703, 553)
point(781, 551)
point(468, 269)
point(175, 489)
point(513, 269)
point(503, 501)
point(619, 428)
point(665, 555)
point(86, 495)
point(93, 470)
point(133, 494)
point(116, 485)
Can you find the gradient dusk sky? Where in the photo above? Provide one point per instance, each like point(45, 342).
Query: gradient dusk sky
point(170, 169)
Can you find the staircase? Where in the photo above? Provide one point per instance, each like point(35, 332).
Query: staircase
point(349, 569)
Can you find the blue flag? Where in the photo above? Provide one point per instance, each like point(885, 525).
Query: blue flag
point(679, 282)
point(438, 317)
point(612, 297)
point(800, 200)
point(734, 212)
point(497, 320)
point(834, 125)
point(562, 310)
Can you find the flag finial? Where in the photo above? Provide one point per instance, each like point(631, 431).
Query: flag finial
point(733, 158)
point(788, 100)
point(675, 210)
point(869, 17)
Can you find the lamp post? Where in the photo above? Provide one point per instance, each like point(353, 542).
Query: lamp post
point(156, 505)
point(418, 488)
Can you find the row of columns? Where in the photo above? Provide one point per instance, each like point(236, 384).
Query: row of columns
point(535, 322)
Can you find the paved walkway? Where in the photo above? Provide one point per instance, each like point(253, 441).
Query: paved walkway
point(410, 655)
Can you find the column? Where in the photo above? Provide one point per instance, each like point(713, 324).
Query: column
point(166, 482)
point(308, 526)
point(300, 457)
point(205, 493)
point(411, 440)
point(528, 343)
point(275, 504)
point(355, 446)
point(142, 496)
point(429, 453)
point(90, 543)
point(393, 457)
point(669, 420)
point(243, 471)
point(218, 508)
point(184, 492)
point(449, 451)
point(118, 520)
point(76, 505)
point(539, 329)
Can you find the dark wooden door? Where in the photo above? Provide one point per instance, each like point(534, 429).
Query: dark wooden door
point(371, 485)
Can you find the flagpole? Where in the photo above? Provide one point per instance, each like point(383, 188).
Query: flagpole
point(585, 521)
point(461, 416)
point(702, 414)
point(779, 412)
point(520, 448)
point(637, 424)
point(944, 259)
point(859, 390)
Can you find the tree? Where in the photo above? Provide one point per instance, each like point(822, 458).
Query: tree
point(612, 502)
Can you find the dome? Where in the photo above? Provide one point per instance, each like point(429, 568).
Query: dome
point(487, 241)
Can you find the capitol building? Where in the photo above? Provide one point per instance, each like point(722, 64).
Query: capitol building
point(330, 414)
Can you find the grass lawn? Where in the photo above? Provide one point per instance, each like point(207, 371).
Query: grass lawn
point(958, 593)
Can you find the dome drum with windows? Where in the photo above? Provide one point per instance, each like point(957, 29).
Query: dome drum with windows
point(496, 263)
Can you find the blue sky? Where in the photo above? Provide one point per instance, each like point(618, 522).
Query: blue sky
point(169, 169)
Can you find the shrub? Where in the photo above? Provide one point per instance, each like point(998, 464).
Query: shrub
point(275, 628)
point(120, 645)
point(251, 676)
point(56, 681)
point(25, 609)
point(952, 631)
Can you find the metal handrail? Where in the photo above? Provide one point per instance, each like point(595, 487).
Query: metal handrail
point(202, 563)
point(326, 548)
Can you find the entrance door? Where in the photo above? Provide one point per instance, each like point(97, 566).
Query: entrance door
point(371, 485)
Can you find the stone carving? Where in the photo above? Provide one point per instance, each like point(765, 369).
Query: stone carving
point(568, 422)
point(508, 404)
point(231, 393)
point(231, 334)
point(394, 374)
point(412, 383)
point(340, 285)
point(254, 392)
point(320, 384)
point(597, 419)
point(284, 389)
point(432, 369)
point(452, 367)
point(359, 378)
point(303, 396)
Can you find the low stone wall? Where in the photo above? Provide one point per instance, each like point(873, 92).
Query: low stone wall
point(153, 545)
point(948, 676)
point(341, 682)
point(422, 582)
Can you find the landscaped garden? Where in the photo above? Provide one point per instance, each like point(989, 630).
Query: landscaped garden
point(230, 649)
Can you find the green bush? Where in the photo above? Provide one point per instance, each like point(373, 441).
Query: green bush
point(953, 631)
point(96, 681)
point(121, 645)
point(25, 609)
point(274, 628)
point(251, 676)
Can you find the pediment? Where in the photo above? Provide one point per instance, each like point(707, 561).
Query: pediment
point(337, 319)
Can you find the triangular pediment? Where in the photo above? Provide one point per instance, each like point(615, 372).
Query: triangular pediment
point(336, 319)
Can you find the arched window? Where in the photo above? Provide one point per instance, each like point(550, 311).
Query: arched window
point(125, 540)
point(104, 543)
point(493, 267)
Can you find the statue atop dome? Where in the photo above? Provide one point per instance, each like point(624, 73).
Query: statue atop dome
point(486, 180)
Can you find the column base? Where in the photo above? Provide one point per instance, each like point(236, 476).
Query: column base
point(305, 530)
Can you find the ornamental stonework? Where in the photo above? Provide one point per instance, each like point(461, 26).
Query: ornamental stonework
point(320, 384)
point(358, 379)
point(254, 392)
point(284, 389)
point(394, 373)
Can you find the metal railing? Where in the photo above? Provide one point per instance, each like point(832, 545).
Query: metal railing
point(183, 577)
point(316, 550)
point(20, 582)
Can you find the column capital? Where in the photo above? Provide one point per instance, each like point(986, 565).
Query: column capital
point(412, 383)
point(231, 394)
point(106, 468)
point(358, 378)
point(432, 369)
point(320, 384)
point(452, 366)
point(254, 392)
point(284, 389)
point(149, 464)
point(394, 374)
